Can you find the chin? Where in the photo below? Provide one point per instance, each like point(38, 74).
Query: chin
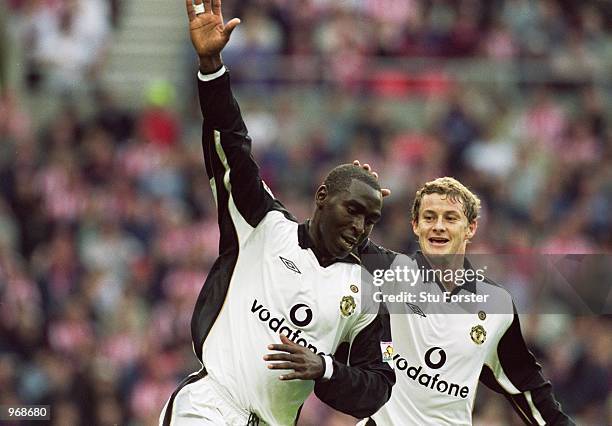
point(439, 250)
point(441, 256)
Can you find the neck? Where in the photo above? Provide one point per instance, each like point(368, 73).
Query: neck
point(452, 262)
point(315, 236)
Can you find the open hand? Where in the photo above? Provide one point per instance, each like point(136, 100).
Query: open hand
point(208, 33)
point(385, 191)
point(306, 365)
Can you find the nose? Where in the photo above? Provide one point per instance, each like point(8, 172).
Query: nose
point(439, 225)
point(359, 225)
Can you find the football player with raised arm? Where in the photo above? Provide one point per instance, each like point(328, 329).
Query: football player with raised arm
point(282, 297)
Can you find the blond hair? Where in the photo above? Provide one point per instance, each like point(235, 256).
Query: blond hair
point(452, 188)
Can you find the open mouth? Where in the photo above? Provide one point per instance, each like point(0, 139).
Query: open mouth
point(438, 241)
point(348, 242)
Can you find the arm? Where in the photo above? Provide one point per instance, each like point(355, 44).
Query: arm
point(514, 372)
point(357, 381)
point(227, 153)
point(241, 196)
point(361, 384)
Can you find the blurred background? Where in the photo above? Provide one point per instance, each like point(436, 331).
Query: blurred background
point(107, 227)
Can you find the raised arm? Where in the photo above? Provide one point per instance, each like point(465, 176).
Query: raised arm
point(241, 196)
point(208, 33)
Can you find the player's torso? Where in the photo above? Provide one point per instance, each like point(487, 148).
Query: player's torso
point(278, 287)
point(438, 357)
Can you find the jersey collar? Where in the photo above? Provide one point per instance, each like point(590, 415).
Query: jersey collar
point(306, 243)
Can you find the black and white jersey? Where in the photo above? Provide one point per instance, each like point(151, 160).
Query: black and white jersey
point(442, 351)
point(269, 280)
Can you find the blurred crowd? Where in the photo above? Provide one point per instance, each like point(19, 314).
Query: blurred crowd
point(107, 225)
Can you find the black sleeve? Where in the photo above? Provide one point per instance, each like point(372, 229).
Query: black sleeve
point(361, 385)
point(374, 256)
point(240, 194)
point(515, 373)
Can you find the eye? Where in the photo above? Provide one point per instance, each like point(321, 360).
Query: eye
point(351, 209)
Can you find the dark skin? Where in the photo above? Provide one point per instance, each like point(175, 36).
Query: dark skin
point(347, 215)
point(339, 219)
point(353, 214)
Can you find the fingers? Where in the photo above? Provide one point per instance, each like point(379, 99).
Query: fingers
point(286, 340)
point(216, 7)
point(207, 6)
point(198, 7)
point(288, 362)
point(365, 167)
point(287, 345)
point(190, 11)
point(279, 357)
point(291, 349)
point(283, 366)
point(229, 27)
point(305, 364)
point(292, 376)
point(385, 191)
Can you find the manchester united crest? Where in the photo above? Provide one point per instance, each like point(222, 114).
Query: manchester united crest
point(478, 334)
point(347, 306)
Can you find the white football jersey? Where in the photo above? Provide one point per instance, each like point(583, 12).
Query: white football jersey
point(269, 279)
point(443, 348)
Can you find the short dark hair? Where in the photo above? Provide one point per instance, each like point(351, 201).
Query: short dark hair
point(340, 178)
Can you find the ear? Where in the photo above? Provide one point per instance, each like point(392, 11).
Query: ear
point(472, 229)
point(321, 196)
point(415, 224)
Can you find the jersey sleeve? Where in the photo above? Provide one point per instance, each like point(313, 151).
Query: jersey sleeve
point(513, 371)
point(241, 196)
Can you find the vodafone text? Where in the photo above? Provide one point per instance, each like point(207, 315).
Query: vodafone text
point(300, 314)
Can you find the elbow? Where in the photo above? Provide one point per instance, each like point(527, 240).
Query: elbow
point(372, 401)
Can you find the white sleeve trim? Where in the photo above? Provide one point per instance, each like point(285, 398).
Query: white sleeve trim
point(209, 77)
point(329, 367)
point(534, 411)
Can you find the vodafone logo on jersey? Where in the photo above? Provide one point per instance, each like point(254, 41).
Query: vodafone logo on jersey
point(300, 315)
point(441, 361)
point(301, 310)
point(434, 359)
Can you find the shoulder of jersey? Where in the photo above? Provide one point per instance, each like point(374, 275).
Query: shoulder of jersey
point(374, 256)
point(496, 289)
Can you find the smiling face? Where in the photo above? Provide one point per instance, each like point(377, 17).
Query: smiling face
point(346, 218)
point(442, 226)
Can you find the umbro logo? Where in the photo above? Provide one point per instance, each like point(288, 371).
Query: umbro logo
point(416, 310)
point(290, 265)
